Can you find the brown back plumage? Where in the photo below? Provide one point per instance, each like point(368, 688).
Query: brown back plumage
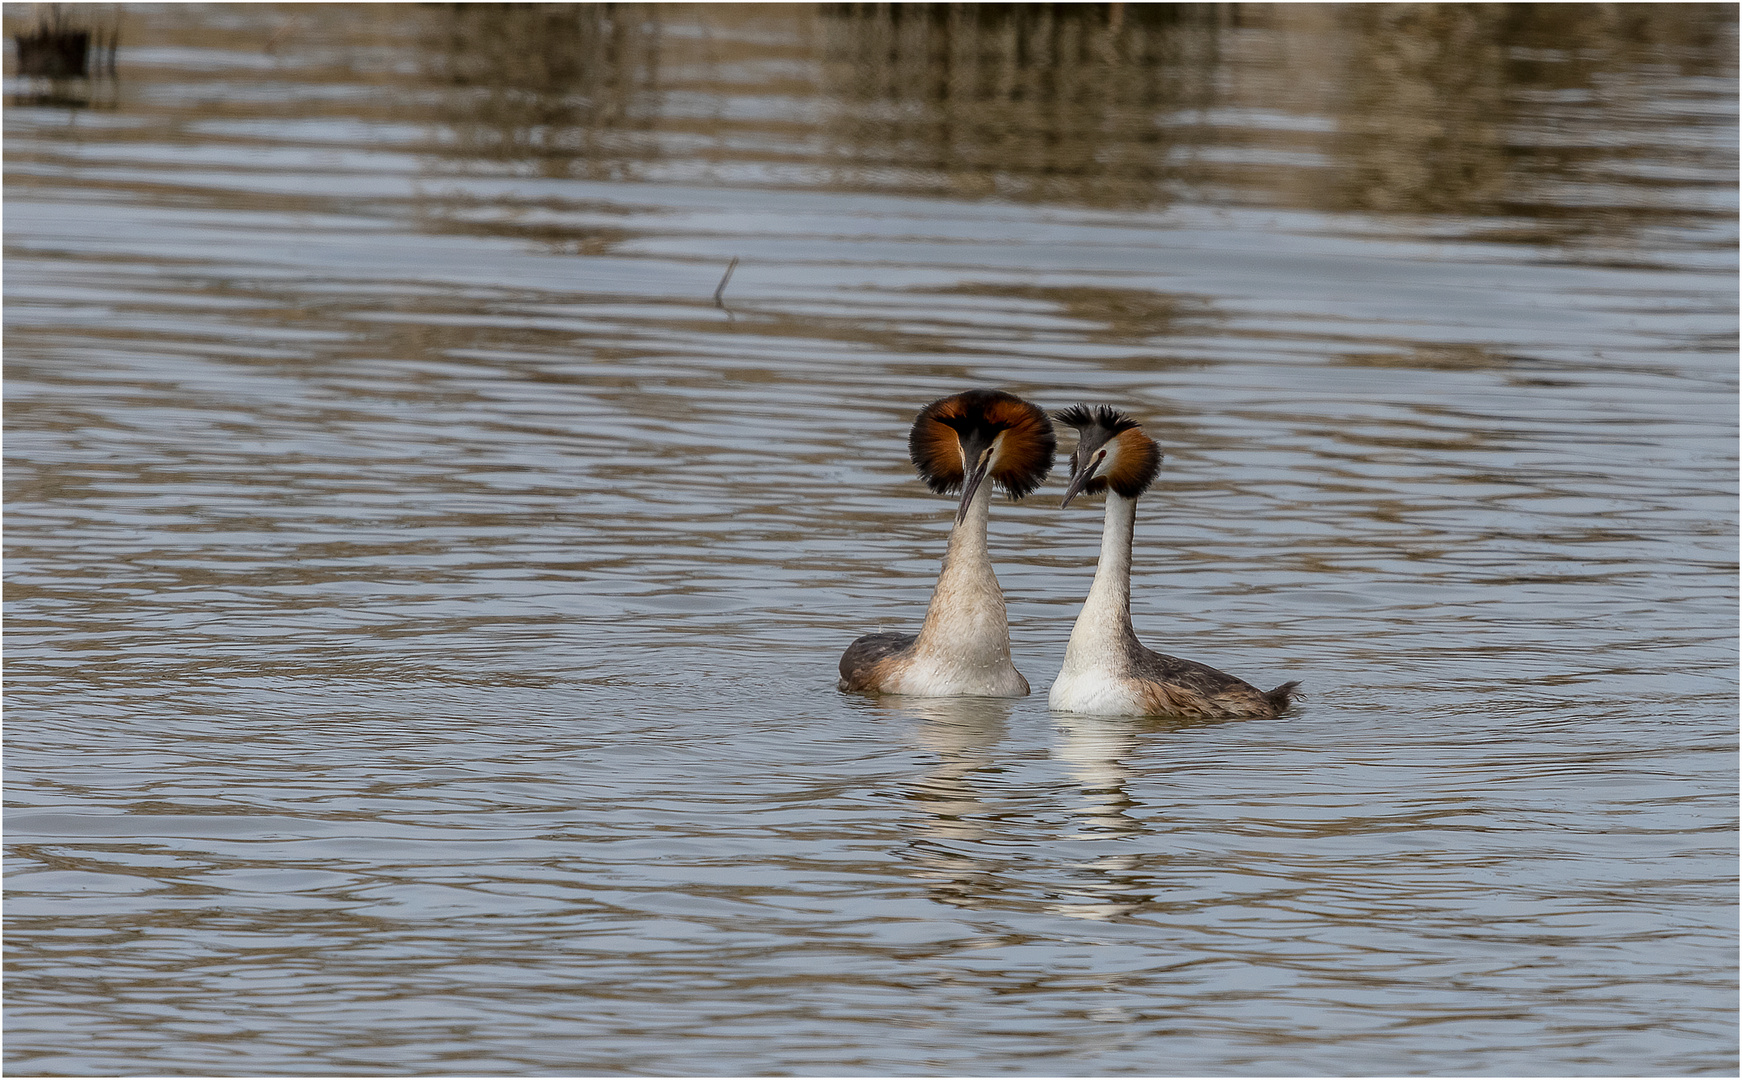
point(865, 665)
point(1025, 454)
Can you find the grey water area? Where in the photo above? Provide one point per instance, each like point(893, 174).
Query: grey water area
point(423, 601)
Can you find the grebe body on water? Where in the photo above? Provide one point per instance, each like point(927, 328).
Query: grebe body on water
point(963, 647)
point(1107, 671)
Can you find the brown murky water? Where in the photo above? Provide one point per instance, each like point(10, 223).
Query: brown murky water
point(423, 602)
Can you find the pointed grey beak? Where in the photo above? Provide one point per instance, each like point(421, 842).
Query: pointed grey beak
point(976, 476)
point(1077, 482)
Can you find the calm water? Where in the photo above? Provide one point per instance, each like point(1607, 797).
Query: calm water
point(423, 602)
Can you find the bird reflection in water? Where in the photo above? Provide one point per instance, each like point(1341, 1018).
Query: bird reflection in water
point(966, 803)
point(955, 819)
point(1097, 751)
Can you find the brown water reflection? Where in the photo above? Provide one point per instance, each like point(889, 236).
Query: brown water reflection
point(1043, 102)
point(1481, 111)
point(574, 88)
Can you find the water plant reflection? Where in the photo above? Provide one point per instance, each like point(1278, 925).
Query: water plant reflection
point(1469, 111)
point(571, 87)
point(1476, 110)
point(1053, 102)
point(65, 59)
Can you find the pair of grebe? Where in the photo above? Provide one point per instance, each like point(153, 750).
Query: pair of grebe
point(979, 438)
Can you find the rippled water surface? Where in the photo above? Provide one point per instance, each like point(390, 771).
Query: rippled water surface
point(423, 601)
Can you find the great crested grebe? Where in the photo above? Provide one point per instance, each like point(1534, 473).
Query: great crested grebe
point(1107, 671)
point(963, 648)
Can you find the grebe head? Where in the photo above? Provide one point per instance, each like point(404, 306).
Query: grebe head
point(964, 438)
point(1112, 452)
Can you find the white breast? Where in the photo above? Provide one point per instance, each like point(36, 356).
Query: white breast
point(948, 677)
point(1094, 690)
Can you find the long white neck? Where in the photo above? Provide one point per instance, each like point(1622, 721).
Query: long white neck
point(1105, 622)
point(966, 619)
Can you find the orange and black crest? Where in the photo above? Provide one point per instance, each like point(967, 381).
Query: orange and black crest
point(1104, 417)
point(1135, 458)
point(1023, 437)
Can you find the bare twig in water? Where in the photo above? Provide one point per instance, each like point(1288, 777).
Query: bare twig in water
point(720, 293)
